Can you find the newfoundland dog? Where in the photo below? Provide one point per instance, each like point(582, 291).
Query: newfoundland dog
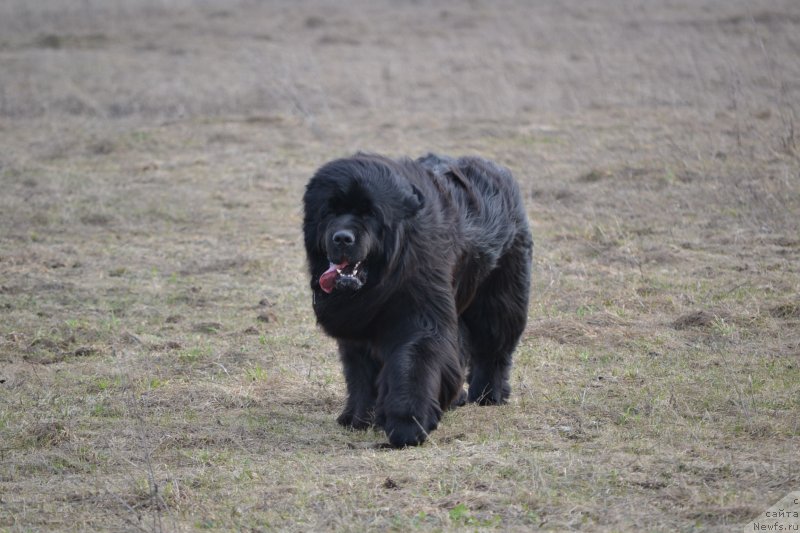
point(420, 269)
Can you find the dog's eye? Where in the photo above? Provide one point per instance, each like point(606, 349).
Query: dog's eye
point(339, 206)
point(356, 210)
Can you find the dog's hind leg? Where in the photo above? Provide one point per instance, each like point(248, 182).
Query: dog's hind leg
point(495, 321)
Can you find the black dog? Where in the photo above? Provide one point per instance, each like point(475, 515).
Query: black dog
point(420, 270)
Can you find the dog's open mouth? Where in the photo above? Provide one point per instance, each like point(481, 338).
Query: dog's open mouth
point(342, 276)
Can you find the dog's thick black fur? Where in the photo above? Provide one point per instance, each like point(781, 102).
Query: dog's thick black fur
point(421, 271)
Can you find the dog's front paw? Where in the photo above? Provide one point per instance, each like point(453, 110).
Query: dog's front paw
point(486, 394)
point(410, 430)
point(460, 400)
point(354, 420)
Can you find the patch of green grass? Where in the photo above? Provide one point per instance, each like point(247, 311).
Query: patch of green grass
point(256, 373)
point(104, 409)
point(105, 383)
point(194, 354)
point(459, 513)
point(111, 322)
point(536, 140)
point(462, 515)
point(154, 383)
point(210, 458)
point(630, 414)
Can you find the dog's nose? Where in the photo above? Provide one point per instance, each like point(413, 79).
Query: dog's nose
point(344, 237)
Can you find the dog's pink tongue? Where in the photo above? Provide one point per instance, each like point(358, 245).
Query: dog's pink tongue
point(327, 281)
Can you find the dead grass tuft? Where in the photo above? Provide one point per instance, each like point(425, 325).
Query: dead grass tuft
point(562, 331)
point(594, 176)
point(697, 319)
point(785, 310)
point(48, 434)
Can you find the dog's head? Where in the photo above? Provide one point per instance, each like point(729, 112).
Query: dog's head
point(354, 211)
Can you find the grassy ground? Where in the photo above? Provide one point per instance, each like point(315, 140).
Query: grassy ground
point(160, 368)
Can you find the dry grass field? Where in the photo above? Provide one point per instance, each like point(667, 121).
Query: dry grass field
point(160, 368)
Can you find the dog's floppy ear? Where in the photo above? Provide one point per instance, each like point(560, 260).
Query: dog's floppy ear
point(414, 201)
